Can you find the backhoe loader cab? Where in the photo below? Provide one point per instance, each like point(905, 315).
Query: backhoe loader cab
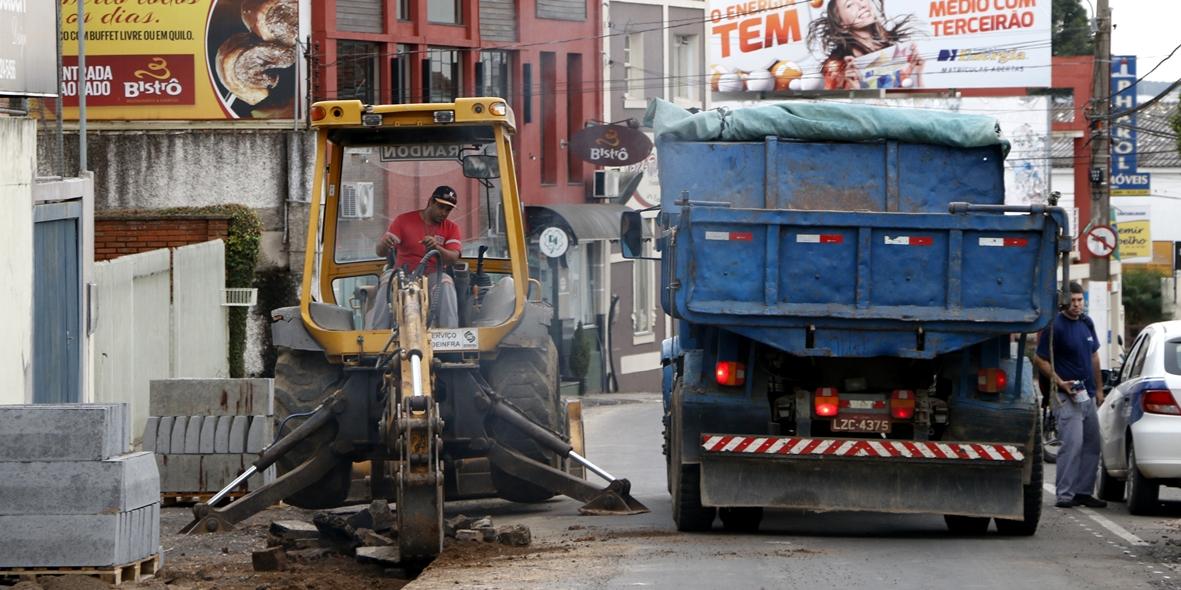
point(376, 162)
point(363, 373)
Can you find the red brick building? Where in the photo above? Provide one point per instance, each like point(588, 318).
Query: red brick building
point(541, 55)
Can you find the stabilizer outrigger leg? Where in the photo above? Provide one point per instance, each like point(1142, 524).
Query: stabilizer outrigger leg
point(614, 499)
point(208, 519)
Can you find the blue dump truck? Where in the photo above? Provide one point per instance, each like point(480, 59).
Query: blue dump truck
point(850, 295)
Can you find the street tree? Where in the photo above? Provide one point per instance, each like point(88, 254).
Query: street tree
point(1072, 29)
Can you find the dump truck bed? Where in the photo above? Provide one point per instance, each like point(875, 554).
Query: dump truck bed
point(849, 249)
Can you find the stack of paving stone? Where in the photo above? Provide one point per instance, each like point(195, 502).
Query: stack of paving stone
point(205, 432)
point(72, 495)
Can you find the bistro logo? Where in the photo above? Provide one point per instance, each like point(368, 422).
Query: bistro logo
point(161, 82)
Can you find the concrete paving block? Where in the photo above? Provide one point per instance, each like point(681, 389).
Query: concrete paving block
point(122, 483)
point(177, 444)
point(261, 434)
point(208, 434)
point(164, 434)
point(62, 432)
point(201, 473)
point(211, 397)
point(150, 429)
point(193, 435)
point(72, 540)
point(239, 428)
point(221, 436)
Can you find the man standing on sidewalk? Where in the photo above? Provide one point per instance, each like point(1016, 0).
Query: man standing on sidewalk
point(1075, 356)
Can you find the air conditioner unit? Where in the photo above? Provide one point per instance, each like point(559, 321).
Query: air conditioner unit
point(607, 183)
point(356, 200)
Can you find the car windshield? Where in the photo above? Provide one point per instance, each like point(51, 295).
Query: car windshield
point(382, 180)
point(1173, 356)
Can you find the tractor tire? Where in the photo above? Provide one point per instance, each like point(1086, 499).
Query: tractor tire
point(303, 379)
point(1032, 497)
point(528, 378)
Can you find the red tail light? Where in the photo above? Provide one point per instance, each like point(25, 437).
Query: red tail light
point(318, 113)
point(730, 373)
point(991, 380)
point(827, 402)
point(1160, 401)
point(902, 404)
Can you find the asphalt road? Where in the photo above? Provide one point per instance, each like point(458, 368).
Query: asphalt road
point(1074, 549)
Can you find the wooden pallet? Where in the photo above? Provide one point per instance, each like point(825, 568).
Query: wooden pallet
point(114, 575)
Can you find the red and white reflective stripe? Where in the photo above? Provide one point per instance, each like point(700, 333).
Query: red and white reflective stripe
point(820, 239)
point(843, 447)
point(730, 236)
point(909, 240)
point(1004, 242)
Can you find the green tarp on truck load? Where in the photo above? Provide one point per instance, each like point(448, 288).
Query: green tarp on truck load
point(828, 121)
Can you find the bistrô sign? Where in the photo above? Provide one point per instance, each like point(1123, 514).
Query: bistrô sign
point(611, 145)
point(182, 59)
point(815, 45)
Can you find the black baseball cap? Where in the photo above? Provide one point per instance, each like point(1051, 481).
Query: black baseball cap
point(445, 195)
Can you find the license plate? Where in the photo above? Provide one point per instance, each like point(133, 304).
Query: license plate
point(860, 424)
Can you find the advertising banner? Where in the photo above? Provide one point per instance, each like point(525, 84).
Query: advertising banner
point(1125, 179)
point(1135, 233)
point(182, 59)
point(813, 45)
point(27, 48)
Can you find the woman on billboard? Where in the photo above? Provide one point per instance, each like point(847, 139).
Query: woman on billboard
point(864, 49)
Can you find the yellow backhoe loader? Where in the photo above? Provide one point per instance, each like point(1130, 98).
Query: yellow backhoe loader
point(365, 375)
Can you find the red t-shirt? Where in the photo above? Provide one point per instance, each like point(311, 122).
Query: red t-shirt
point(411, 229)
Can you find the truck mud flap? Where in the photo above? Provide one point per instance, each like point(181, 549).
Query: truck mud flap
point(828, 474)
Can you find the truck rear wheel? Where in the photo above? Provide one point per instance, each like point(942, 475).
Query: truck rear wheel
point(688, 513)
point(303, 379)
point(527, 377)
point(1032, 497)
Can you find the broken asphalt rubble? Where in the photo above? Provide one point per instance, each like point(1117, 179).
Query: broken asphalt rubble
point(369, 534)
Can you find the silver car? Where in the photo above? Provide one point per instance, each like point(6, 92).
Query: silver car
point(1140, 422)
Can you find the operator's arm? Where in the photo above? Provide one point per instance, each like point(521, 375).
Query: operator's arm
point(1098, 375)
point(1043, 365)
point(446, 255)
point(386, 243)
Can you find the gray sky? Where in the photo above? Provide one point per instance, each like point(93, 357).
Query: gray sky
point(1147, 29)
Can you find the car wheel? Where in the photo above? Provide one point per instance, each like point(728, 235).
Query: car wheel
point(1142, 492)
point(1107, 487)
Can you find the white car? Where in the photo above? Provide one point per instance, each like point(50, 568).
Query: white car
point(1140, 422)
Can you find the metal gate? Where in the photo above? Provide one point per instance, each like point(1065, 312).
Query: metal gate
point(57, 302)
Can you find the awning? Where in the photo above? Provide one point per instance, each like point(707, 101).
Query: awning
point(583, 221)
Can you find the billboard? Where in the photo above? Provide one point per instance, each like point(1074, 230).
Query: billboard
point(191, 60)
point(28, 50)
point(1133, 222)
point(815, 45)
point(1125, 179)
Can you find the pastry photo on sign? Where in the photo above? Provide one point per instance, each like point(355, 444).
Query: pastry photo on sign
point(252, 46)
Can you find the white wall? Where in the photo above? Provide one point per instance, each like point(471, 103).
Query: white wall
point(19, 148)
point(159, 315)
point(201, 332)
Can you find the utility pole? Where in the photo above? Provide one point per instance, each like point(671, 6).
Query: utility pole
point(1100, 267)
